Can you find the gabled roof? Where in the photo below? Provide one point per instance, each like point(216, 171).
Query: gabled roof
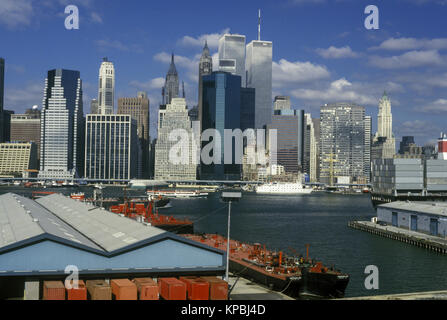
point(23, 219)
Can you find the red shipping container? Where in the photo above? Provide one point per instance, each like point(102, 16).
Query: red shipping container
point(99, 290)
point(77, 294)
point(53, 290)
point(218, 288)
point(172, 289)
point(124, 289)
point(147, 288)
point(196, 288)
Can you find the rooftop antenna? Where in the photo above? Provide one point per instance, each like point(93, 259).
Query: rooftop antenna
point(259, 25)
point(183, 88)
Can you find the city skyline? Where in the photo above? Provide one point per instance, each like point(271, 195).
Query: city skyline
point(349, 64)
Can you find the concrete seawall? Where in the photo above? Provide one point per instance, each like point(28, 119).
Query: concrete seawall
point(418, 239)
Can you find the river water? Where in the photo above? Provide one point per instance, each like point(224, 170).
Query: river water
point(320, 219)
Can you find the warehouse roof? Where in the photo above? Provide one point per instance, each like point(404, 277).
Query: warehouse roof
point(429, 207)
point(109, 230)
point(23, 219)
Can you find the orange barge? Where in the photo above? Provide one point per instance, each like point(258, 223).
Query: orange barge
point(295, 276)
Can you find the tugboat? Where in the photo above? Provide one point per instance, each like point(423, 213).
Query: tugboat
point(297, 277)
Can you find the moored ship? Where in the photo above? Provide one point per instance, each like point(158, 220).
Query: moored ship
point(297, 277)
point(178, 193)
point(140, 212)
point(283, 188)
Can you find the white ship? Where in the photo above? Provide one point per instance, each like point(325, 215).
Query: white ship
point(283, 188)
point(177, 193)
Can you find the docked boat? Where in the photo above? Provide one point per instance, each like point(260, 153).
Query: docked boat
point(78, 196)
point(298, 277)
point(178, 193)
point(283, 188)
point(149, 214)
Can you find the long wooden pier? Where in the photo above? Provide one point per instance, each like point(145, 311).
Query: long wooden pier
point(414, 238)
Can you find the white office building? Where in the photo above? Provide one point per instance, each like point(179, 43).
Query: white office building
point(61, 152)
point(106, 90)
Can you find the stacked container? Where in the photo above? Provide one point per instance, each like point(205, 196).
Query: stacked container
point(124, 289)
point(147, 288)
point(99, 290)
point(218, 288)
point(196, 288)
point(172, 289)
point(53, 290)
point(77, 294)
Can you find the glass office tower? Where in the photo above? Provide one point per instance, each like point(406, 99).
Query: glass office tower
point(232, 55)
point(259, 76)
point(62, 126)
point(221, 110)
point(342, 142)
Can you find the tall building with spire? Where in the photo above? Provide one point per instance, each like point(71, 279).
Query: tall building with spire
point(171, 88)
point(205, 68)
point(384, 143)
point(259, 76)
point(106, 90)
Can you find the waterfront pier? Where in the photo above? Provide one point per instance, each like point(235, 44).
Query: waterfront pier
point(418, 239)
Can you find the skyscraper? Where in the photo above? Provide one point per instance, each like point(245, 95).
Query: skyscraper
point(290, 150)
point(310, 149)
point(111, 147)
point(26, 127)
point(259, 76)
point(106, 90)
point(62, 131)
point(174, 116)
point(281, 102)
point(384, 143)
point(171, 88)
point(221, 110)
point(138, 108)
point(342, 144)
point(2, 93)
point(94, 106)
point(205, 68)
point(232, 55)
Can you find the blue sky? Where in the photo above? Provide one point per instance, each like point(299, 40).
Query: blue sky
point(322, 52)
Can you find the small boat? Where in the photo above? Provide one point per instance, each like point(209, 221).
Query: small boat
point(78, 196)
point(178, 193)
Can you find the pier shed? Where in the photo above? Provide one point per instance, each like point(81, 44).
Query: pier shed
point(40, 239)
point(421, 216)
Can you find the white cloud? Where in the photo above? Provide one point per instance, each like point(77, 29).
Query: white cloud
point(418, 128)
point(212, 39)
point(412, 44)
point(340, 90)
point(94, 17)
point(20, 99)
point(408, 60)
point(435, 107)
point(16, 13)
point(153, 84)
point(337, 53)
point(117, 45)
point(286, 72)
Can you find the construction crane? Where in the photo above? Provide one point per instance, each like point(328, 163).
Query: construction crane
point(331, 169)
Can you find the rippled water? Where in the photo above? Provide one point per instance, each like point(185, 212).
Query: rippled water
point(319, 219)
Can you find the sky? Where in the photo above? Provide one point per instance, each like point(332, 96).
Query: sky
point(322, 52)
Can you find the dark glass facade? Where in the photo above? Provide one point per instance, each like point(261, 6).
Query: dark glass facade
point(247, 108)
point(221, 110)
